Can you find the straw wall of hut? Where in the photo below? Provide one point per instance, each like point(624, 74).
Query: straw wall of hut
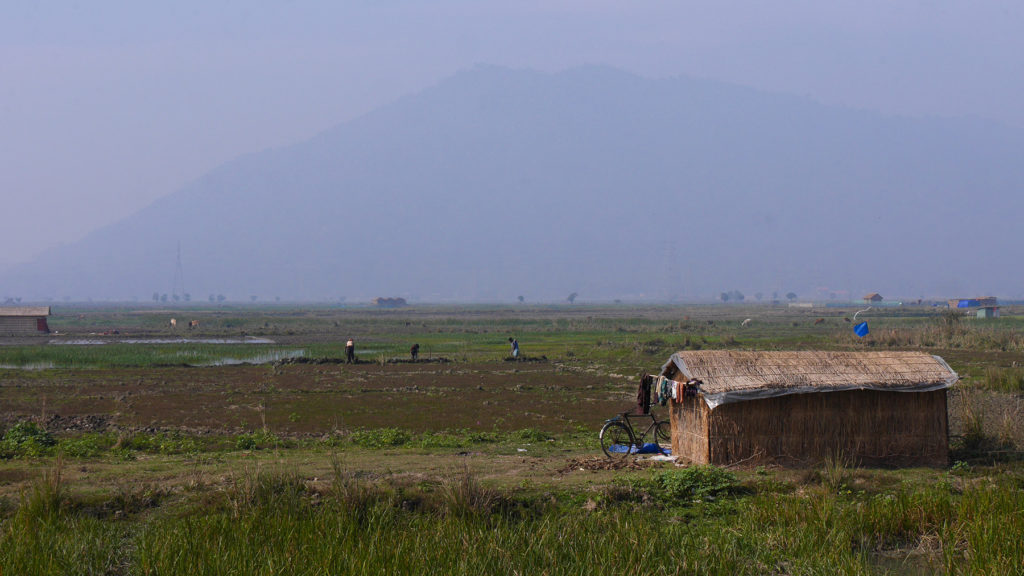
point(865, 426)
point(689, 418)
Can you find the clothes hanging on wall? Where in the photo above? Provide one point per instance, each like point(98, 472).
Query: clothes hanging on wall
point(643, 394)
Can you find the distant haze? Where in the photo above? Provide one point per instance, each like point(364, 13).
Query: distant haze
point(108, 105)
point(500, 182)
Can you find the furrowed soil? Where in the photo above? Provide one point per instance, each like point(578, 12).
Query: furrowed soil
point(583, 368)
point(314, 399)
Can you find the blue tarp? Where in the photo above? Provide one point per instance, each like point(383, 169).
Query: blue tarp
point(968, 303)
point(861, 329)
point(649, 448)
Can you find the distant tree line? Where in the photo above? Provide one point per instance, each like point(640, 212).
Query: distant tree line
point(158, 297)
point(737, 296)
point(733, 296)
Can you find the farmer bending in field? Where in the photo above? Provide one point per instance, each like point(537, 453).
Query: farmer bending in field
point(350, 352)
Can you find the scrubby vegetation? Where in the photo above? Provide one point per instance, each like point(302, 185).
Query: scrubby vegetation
point(134, 458)
point(697, 520)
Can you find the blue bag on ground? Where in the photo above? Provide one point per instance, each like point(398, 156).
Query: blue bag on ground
point(861, 329)
point(648, 448)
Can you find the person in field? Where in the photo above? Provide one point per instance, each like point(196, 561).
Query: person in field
point(515, 347)
point(415, 352)
point(350, 352)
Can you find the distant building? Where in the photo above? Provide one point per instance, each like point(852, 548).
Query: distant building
point(390, 302)
point(23, 320)
point(983, 302)
point(988, 312)
point(873, 298)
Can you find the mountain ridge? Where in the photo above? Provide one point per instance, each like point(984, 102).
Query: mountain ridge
point(497, 182)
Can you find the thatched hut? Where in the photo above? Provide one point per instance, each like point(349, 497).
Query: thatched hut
point(23, 320)
point(872, 408)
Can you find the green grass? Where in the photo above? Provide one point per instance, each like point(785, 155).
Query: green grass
point(1010, 380)
point(274, 523)
point(28, 441)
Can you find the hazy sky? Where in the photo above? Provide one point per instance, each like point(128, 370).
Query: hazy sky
point(106, 106)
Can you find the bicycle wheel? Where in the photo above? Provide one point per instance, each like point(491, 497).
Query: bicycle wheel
point(616, 440)
point(663, 433)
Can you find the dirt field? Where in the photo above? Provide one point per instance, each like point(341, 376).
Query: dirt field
point(312, 399)
point(591, 358)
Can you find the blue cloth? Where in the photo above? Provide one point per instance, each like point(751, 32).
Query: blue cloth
point(861, 329)
point(648, 448)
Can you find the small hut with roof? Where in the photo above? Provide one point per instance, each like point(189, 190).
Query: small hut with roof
point(873, 298)
point(23, 320)
point(872, 408)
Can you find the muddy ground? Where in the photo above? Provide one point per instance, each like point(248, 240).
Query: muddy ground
point(314, 399)
point(595, 354)
point(317, 399)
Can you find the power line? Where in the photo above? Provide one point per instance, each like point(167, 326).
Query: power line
point(178, 284)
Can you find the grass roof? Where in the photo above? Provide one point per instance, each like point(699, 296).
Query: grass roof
point(24, 310)
point(746, 374)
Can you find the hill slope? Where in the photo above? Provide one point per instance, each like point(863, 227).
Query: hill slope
point(499, 182)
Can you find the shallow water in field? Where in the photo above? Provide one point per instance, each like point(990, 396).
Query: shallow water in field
point(95, 342)
point(257, 359)
point(194, 358)
point(31, 366)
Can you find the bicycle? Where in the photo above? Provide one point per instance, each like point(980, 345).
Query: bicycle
point(619, 438)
